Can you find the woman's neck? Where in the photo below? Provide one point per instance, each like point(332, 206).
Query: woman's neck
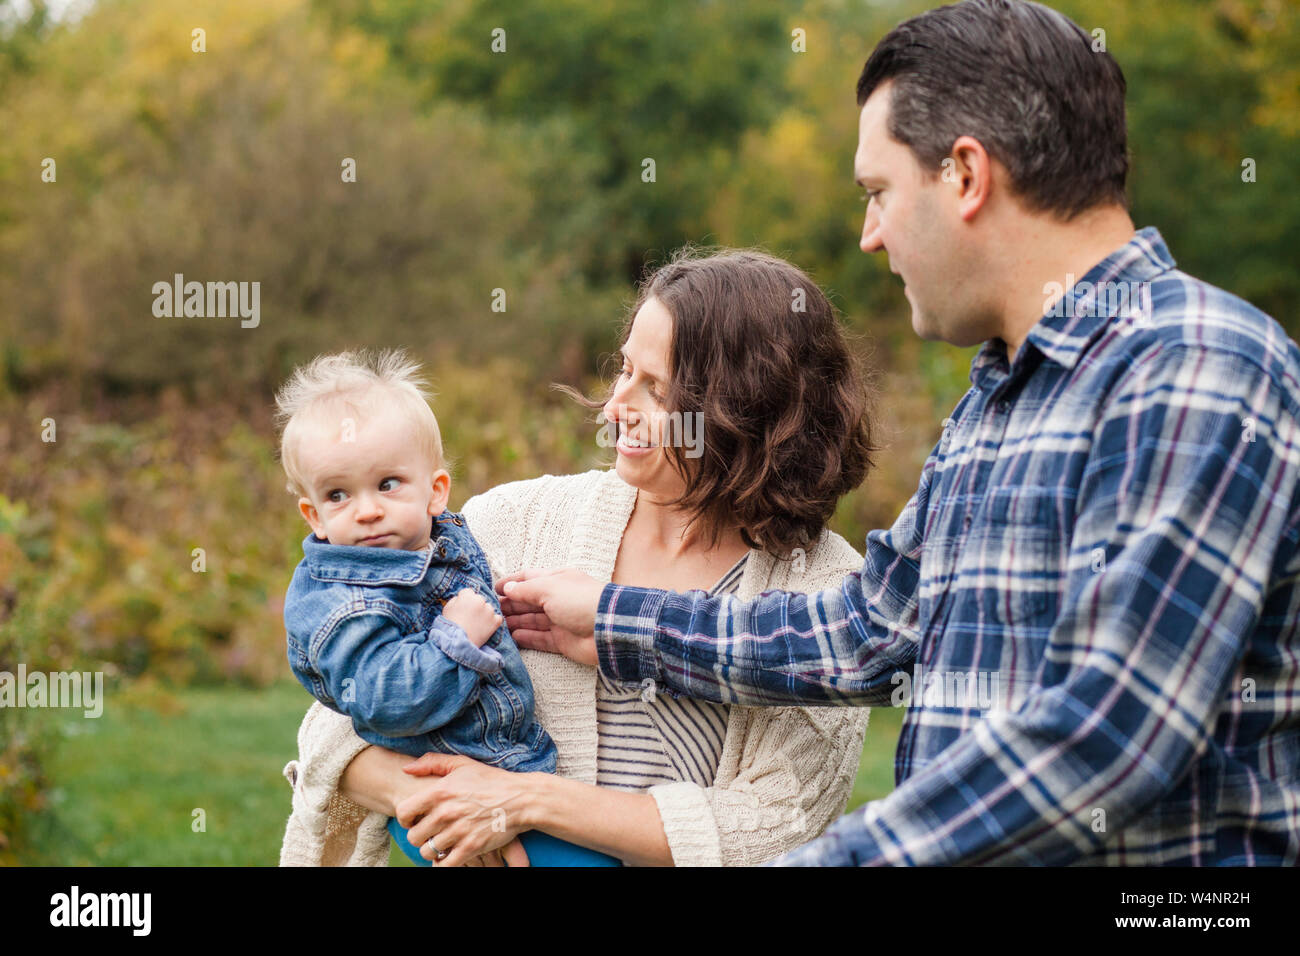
point(665, 529)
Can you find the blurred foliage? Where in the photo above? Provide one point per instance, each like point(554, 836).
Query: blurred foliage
point(476, 171)
point(227, 166)
point(619, 81)
point(1212, 83)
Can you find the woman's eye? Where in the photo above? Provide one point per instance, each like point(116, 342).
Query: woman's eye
point(386, 482)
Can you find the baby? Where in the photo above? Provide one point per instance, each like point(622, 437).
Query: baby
point(391, 615)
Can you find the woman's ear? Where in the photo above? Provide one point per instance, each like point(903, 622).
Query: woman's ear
point(439, 492)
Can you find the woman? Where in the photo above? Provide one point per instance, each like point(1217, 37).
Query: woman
point(748, 346)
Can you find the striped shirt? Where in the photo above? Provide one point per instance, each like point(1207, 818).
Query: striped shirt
point(1091, 604)
point(646, 739)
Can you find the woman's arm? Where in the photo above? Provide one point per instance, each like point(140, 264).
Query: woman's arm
point(468, 808)
point(620, 823)
point(374, 780)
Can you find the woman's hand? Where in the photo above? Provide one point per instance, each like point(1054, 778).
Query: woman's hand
point(552, 611)
point(512, 854)
point(470, 812)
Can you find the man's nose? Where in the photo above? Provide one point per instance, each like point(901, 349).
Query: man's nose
point(871, 233)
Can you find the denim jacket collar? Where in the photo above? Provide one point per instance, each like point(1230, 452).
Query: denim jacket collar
point(375, 566)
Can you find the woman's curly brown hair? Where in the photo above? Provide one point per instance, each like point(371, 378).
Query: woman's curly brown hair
point(757, 351)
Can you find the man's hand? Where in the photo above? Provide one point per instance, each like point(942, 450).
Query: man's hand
point(552, 611)
point(473, 615)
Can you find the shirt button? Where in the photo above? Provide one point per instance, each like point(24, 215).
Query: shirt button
point(1003, 405)
point(966, 521)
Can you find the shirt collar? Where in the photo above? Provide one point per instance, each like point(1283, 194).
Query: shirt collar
point(1064, 333)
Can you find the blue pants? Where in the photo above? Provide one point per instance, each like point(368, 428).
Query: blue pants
point(542, 848)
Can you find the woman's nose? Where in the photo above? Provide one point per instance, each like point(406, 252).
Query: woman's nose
point(616, 409)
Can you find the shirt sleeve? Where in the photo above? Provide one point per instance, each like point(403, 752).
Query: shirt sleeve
point(396, 684)
point(838, 646)
point(1188, 489)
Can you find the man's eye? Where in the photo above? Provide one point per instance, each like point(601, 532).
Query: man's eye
point(395, 483)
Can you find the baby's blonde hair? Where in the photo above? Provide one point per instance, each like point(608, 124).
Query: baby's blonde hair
point(361, 382)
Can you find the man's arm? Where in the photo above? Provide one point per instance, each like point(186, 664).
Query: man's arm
point(839, 646)
point(843, 645)
point(1190, 508)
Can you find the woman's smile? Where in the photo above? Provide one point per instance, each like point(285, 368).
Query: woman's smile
point(633, 448)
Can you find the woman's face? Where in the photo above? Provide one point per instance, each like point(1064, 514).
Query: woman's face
point(636, 411)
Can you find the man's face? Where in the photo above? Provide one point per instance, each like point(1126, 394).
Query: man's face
point(911, 216)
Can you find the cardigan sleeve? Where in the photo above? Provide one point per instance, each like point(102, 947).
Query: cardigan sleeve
point(325, 828)
point(793, 777)
point(796, 772)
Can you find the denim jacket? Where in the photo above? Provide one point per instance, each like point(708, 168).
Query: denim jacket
point(367, 638)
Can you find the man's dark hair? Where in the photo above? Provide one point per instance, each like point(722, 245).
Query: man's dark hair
point(1022, 79)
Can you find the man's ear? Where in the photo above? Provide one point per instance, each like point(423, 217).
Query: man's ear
point(440, 492)
point(969, 169)
point(308, 511)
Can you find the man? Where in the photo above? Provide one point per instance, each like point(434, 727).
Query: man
point(1090, 604)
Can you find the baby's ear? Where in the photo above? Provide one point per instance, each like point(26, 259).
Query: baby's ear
point(308, 511)
point(439, 492)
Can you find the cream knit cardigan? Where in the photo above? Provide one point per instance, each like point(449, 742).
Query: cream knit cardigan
point(785, 772)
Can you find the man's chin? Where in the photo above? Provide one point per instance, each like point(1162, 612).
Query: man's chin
point(923, 328)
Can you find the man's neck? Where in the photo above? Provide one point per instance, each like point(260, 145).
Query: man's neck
point(1048, 254)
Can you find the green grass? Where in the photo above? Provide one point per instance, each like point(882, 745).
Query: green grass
point(126, 785)
point(876, 771)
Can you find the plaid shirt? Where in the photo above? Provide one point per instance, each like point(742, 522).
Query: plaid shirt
point(1090, 607)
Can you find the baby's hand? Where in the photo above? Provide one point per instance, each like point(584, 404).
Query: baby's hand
point(474, 615)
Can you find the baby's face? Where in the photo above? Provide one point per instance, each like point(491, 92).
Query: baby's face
point(369, 484)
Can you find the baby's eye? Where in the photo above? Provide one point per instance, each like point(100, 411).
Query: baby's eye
point(385, 486)
point(336, 496)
